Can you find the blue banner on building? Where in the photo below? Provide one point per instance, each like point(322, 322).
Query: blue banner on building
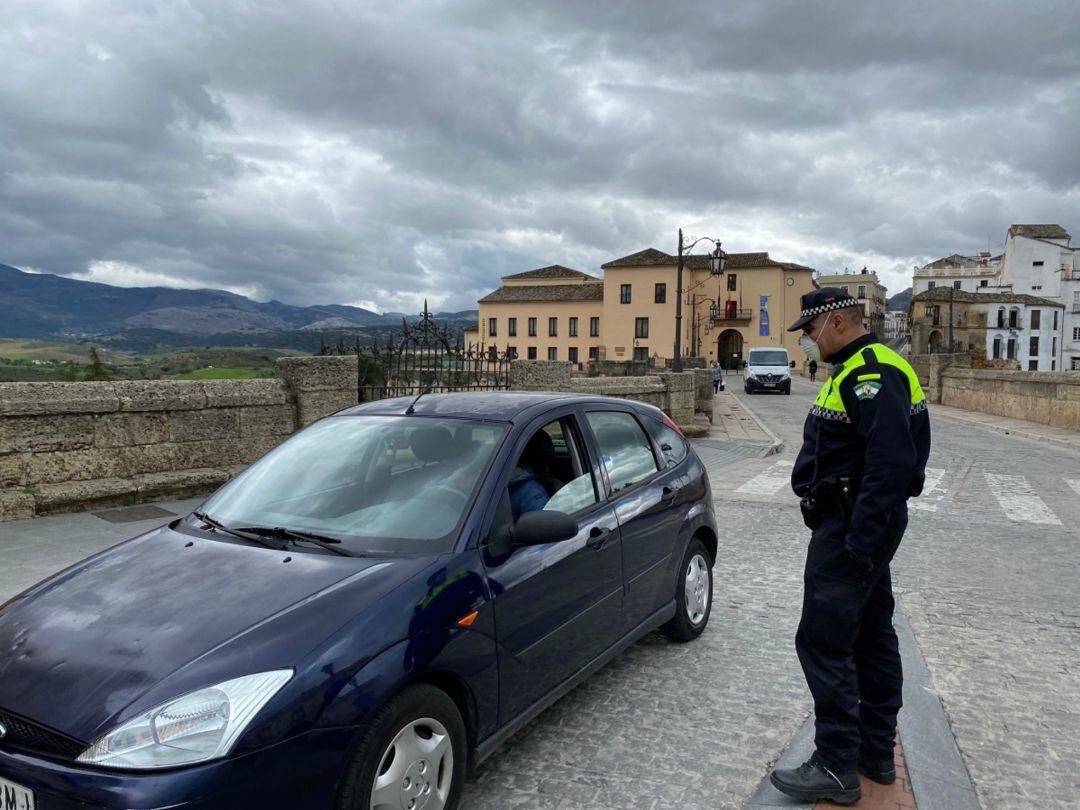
point(763, 317)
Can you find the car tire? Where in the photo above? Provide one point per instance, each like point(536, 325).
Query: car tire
point(692, 615)
point(746, 388)
point(406, 725)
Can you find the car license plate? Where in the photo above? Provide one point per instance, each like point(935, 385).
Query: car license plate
point(770, 385)
point(15, 797)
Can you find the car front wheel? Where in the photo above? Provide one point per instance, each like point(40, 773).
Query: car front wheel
point(693, 594)
point(410, 756)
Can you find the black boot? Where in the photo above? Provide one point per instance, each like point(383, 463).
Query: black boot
point(881, 769)
point(813, 780)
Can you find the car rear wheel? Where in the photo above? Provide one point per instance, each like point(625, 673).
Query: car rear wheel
point(411, 756)
point(693, 594)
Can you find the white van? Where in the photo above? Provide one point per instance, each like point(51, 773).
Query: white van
point(768, 370)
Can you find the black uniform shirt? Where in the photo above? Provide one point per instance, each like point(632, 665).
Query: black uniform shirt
point(885, 445)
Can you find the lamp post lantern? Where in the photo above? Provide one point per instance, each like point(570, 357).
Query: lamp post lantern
point(716, 266)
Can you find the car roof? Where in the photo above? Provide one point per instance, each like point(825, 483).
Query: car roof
point(503, 406)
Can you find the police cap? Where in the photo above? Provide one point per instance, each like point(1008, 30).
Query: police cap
point(826, 299)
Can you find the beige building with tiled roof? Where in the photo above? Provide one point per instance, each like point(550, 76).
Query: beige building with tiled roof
point(556, 313)
point(867, 287)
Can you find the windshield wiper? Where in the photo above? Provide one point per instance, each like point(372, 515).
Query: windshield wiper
point(329, 543)
point(241, 533)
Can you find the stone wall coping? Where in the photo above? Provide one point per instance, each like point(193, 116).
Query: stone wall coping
point(43, 398)
point(1055, 377)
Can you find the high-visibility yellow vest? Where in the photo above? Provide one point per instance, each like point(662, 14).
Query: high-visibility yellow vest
point(830, 405)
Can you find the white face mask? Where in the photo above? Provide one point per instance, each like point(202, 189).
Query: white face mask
point(810, 345)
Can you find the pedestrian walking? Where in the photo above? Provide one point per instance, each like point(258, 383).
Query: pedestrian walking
point(812, 368)
point(865, 445)
point(717, 378)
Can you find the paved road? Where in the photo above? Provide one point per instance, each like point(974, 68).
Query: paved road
point(990, 577)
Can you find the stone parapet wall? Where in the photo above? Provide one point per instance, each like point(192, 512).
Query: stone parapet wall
point(1047, 397)
point(75, 445)
point(678, 395)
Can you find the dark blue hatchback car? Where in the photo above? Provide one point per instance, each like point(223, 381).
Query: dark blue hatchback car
point(371, 607)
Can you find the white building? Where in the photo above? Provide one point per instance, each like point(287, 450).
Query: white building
point(966, 273)
point(1026, 330)
point(896, 325)
point(1039, 260)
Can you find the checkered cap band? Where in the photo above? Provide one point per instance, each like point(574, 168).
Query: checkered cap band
point(843, 303)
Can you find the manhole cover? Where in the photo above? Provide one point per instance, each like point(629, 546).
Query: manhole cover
point(133, 514)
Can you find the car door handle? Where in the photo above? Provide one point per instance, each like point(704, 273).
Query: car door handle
point(597, 537)
point(667, 493)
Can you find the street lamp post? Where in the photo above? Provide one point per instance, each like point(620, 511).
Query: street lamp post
point(716, 266)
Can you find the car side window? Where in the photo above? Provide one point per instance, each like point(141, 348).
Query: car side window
point(624, 448)
point(672, 445)
point(552, 473)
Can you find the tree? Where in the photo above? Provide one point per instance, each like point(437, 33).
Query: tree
point(96, 370)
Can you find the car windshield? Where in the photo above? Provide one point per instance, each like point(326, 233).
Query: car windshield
point(388, 484)
point(769, 359)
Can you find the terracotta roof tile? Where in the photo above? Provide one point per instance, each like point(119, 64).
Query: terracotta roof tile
point(546, 292)
point(553, 271)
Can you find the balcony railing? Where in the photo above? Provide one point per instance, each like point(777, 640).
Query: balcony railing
point(735, 316)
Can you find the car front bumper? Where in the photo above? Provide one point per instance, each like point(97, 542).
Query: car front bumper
point(296, 774)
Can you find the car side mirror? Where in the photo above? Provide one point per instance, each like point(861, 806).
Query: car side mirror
point(793, 364)
point(542, 526)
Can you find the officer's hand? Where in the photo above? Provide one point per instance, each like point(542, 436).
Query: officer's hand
point(858, 563)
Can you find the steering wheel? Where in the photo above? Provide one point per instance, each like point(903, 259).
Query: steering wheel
point(447, 489)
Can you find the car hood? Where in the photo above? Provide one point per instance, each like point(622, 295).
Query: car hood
point(113, 627)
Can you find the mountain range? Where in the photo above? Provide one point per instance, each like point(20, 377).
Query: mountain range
point(899, 302)
point(38, 305)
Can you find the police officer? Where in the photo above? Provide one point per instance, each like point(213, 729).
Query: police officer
point(865, 445)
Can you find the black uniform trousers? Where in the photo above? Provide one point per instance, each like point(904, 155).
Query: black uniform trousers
point(848, 648)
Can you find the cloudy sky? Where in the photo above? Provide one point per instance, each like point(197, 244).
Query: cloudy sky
point(376, 153)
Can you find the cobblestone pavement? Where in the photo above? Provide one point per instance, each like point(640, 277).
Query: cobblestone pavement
point(991, 595)
point(989, 574)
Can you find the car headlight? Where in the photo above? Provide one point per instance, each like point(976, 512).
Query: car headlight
point(195, 727)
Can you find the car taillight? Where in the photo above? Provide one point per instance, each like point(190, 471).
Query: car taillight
point(673, 426)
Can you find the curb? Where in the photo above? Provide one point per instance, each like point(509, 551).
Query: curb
point(776, 443)
point(1022, 432)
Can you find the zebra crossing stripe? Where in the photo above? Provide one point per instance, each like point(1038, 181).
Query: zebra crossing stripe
point(770, 481)
point(1019, 501)
point(931, 493)
point(1074, 483)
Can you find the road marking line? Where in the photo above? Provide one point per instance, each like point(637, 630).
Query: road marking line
point(1074, 483)
point(770, 481)
point(1019, 500)
point(931, 494)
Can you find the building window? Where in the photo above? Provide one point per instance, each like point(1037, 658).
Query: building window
point(571, 354)
point(1053, 347)
point(624, 293)
point(1033, 365)
point(594, 352)
point(1055, 319)
point(1075, 361)
point(1010, 349)
point(553, 327)
point(532, 327)
point(594, 327)
point(1036, 286)
point(956, 285)
point(492, 322)
point(930, 285)
point(531, 352)
point(641, 327)
point(1053, 365)
point(1001, 318)
point(511, 352)
point(1076, 333)
point(511, 327)
point(997, 348)
point(1014, 319)
point(553, 354)
point(1033, 346)
point(573, 327)
point(862, 291)
point(641, 354)
point(661, 294)
point(1036, 264)
point(731, 281)
point(984, 283)
point(1036, 319)
point(1076, 301)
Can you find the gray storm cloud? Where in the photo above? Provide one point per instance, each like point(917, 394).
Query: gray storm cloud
point(386, 152)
